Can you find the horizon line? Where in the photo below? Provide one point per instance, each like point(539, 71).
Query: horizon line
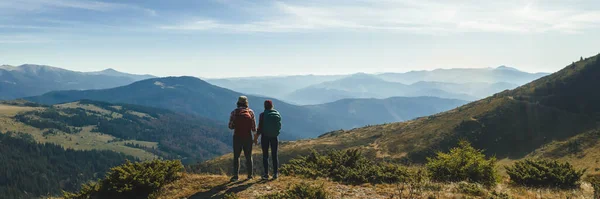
point(279, 75)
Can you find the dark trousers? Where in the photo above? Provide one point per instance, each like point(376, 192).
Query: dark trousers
point(242, 144)
point(273, 142)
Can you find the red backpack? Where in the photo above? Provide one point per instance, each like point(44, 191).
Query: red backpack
point(243, 122)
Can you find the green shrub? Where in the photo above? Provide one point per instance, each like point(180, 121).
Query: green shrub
point(544, 173)
point(230, 196)
point(301, 191)
point(499, 195)
point(463, 163)
point(470, 189)
point(131, 180)
point(349, 167)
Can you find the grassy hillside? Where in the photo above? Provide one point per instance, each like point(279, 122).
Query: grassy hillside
point(538, 119)
point(142, 132)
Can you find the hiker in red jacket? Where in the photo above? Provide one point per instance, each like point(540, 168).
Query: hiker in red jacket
point(243, 123)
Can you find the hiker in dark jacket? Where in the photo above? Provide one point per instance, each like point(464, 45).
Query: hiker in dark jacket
point(243, 123)
point(269, 125)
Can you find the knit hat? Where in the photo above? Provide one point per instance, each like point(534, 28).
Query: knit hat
point(243, 100)
point(268, 104)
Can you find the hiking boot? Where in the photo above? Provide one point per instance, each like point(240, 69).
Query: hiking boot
point(275, 176)
point(234, 179)
point(264, 178)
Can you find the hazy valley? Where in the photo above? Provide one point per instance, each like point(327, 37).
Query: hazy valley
point(443, 83)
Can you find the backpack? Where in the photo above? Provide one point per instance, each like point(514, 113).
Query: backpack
point(243, 121)
point(271, 123)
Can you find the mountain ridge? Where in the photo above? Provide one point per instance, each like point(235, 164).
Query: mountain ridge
point(368, 86)
point(286, 88)
point(185, 94)
point(29, 80)
point(113, 72)
point(195, 96)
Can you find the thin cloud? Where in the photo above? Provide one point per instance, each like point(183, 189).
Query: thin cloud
point(45, 5)
point(23, 39)
point(430, 17)
point(29, 27)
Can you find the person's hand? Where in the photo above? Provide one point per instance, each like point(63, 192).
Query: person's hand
point(255, 139)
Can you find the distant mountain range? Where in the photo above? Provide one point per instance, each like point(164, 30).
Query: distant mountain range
point(276, 87)
point(370, 86)
point(194, 96)
point(465, 75)
point(464, 84)
point(29, 80)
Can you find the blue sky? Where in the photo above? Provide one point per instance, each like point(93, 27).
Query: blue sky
point(225, 38)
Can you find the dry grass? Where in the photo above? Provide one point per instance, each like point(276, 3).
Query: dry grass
point(142, 115)
point(196, 186)
point(588, 157)
point(117, 107)
point(191, 184)
point(89, 107)
point(84, 140)
point(10, 110)
point(87, 140)
point(138, 142)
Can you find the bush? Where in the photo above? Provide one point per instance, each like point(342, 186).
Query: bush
point(131, 180)
point(470, 189)
point(230, 196)
point(544, 173)
point(499, 195)
point(349, 167)
point(463, 163)
point(301, 191)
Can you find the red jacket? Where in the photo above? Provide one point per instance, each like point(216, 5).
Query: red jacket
point(243, 129)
